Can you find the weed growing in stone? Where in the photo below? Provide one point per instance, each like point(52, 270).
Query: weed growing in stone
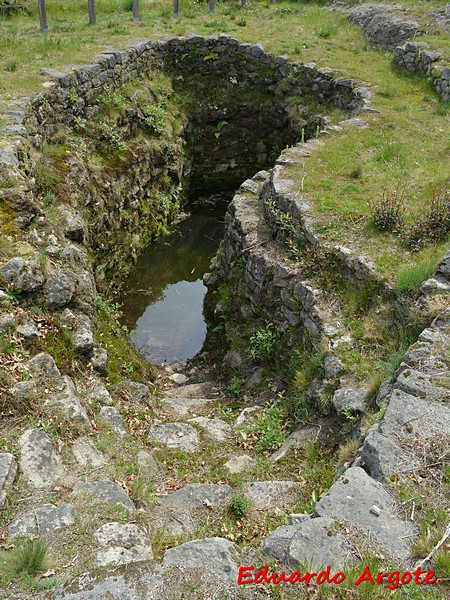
point(264, 343)
point(387, 211)
point(239, 506)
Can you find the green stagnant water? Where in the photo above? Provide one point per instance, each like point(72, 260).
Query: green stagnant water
point(163, 298)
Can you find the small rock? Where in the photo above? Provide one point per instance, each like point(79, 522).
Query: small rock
point(175, 435)
point(240, 464)
point(23, 275)
point(375, 510)
point(41, 466)
point(98, 393)
point(216, 429)
point(138, 392)
point(333, 366)
point(87, 454)
point(42, 520)
point(112, 416)
point(28, 331)
point(297, 518)
point(178, 378)
point(8, 470)
point(72, 224)
point(4, 297)
point(233, 359)
point(106, 491)
point(99, 360)
point(254, 379)
point(65, 404)
point(246, 412)
point(60, 288)
point(42, 366)
point(83, 335)
point(349, 399)
point(7, 322)
point(67, 318)
point(151, 469)
point(182, 407)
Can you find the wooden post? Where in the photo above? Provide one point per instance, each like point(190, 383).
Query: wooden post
point(91, 6)
point(43, 16)
point(211, 6)
point(136, 16)
point(176, 8)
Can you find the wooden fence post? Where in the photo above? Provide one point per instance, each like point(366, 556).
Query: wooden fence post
point(43, 16)
point(176, 8)
point(136, 16)
point(211, 6)
point(91, 6)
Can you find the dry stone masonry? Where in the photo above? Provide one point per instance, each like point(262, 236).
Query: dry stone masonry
point(187, 418)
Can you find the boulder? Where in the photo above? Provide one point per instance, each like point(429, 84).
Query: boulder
point(270, 495)
point(60, 288)
point(111, 415)
point(23, 275)
point(42, 366)
point(87, 454)
point(216, 429)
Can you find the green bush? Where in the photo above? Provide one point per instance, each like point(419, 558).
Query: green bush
point(239, 506)
point(264, 343)
point(30, 558)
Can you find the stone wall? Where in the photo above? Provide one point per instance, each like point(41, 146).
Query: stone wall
point(417, 57)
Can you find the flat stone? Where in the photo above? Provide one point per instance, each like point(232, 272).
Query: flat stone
point(332, 366)
point(194, 496)
point(381, 456)
point(134, 390)
point(350, 399)
point(87, 454)
point(178, 378)
point(216, 429)
point(294, 440)
point(269, 495)
point(175, 435)
point(350, 499)
point(113, 418)
point(121, 534)
point(182, 407)
point(317, 542)
point(424, 418)
point(40, 464)
point(419, 384)
point(8, 158)
point(24, 275)
point(240, 464)
point(42, 366)
point(8, 471)
point(65, 404)
point(206, 389)
point(216, 555)
point(42, 520)
point(117, 555)
point(106, 491)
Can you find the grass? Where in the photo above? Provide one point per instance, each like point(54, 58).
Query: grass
point(410, 279)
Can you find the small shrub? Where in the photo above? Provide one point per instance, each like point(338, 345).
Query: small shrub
point(327, 31)
point(155, 119)
point(235, 386)
point(49, 198)
point(113, 138)
point(433, 225)
point(264, 343)
point(239, 506)
point(387, 212)
point(30, 558)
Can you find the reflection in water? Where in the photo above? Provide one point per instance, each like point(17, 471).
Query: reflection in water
point(164, 300)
